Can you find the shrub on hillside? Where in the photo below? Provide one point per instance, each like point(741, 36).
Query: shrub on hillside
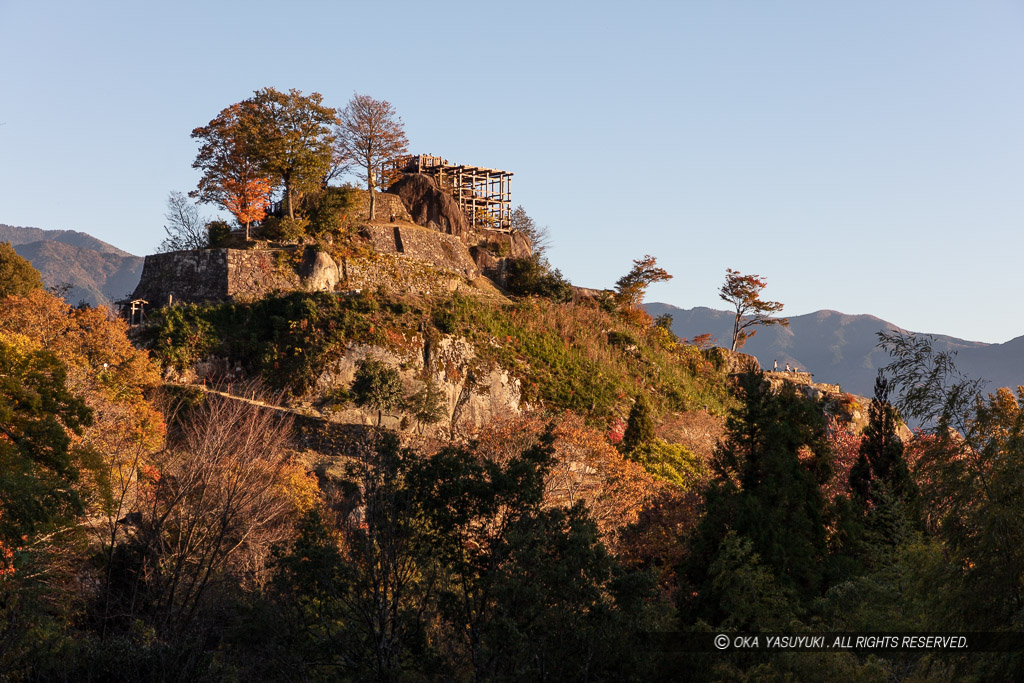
point(328, 209)
point(428, 405)
point(183, 336)
point(377, 385)
point(283, 228)
point(217, 234)
point(671, 462)
point(534, 276)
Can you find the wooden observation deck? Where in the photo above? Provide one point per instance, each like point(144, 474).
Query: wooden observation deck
point(484, 194)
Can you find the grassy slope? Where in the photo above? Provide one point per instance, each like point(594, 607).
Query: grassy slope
point(573, 356)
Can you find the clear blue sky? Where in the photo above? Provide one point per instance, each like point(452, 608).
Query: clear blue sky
point(866, 156)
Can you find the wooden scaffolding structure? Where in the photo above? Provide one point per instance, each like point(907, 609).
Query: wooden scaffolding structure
point(483, 194)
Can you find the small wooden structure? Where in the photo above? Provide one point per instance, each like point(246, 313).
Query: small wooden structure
point(484, 194)
point(134, 309)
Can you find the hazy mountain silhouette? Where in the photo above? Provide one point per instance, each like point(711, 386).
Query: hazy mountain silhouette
point(99, 273)
point(17, 235)
point(841, 348)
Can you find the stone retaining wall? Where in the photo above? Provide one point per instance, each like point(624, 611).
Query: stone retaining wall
point(189, 276)
point(387, 207)
point(401, 274)
point(435, 249)
point(232, 274)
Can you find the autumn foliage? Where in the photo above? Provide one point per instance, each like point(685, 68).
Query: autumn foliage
point(247, 200)
point(586, 467)
point(632, 286)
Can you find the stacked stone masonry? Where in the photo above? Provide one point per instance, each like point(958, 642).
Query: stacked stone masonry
point(401, 274)
point(408, 258)
point(232, 274)
point(435, 249)
point(387, 207)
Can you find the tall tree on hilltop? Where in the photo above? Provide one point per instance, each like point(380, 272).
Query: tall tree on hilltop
point(372, 135)
point(233, 176)
point(248, 200)
point(294, 139)
point(744, 293)
point(633, 285)
point(539, 235)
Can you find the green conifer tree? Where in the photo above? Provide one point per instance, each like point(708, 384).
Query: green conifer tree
point(766, 488)
point(639, 426)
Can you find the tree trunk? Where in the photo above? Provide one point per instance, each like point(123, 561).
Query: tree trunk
point(371, 180)
point(735, 331)
point(288, 196)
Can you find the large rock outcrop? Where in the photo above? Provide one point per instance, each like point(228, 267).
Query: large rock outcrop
point(496, 249)
point(429, 205)
point(474, 393)
point(318, 271)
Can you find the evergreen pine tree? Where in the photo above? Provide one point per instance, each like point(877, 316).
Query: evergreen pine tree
point(766, 488)
point(639, 426)
point(883, 505)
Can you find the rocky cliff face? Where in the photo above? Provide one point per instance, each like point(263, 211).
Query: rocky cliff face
point(474, 393)
point(493, 250)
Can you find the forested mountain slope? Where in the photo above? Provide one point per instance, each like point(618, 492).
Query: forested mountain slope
point(98, 273)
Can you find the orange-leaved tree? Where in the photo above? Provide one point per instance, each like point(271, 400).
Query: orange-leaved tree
point(371, 134)
point(110, 455)
point(247, 200)
point(586, 467)
point(632, 287)
point(744, 293)
point(232, 174)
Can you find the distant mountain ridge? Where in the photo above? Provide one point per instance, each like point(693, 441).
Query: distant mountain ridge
point(17, 235)
point(842, 348)
point(99, 273)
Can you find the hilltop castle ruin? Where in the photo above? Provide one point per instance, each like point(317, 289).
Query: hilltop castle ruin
point(444, 225)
